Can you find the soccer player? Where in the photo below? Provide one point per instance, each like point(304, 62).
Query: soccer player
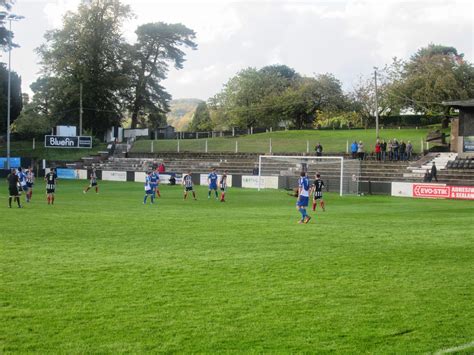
point(30, 181)
point(51, 179)
point(22, 181)
point(317, 192)
point(13, 182)
point(155, 181)
point(303, 198)
point(92, 183)
point(223, 185)
point(212, 181)
point(188, 185)
point(148, 188)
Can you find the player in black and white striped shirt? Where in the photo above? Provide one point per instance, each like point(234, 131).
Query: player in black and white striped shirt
point(317, 191)
point(51, 180)
point(30, 181)
point(223, 185)
point(92, 183)
point(188, 185)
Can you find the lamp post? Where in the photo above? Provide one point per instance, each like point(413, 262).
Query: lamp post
point(9, 18)
point(376, 105)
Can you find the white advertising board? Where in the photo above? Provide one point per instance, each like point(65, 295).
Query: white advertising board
point(266, 182)
point(140, 176)
point(114, 175)
point(129, 133)
point(82, 174)
point(68, 131)
point(402, 189)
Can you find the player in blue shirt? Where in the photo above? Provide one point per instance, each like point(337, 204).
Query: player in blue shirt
point(154, 180)
point(303, 197)
point(212, 181)
point(22, 180)
point(157, 182)
point(148, 188)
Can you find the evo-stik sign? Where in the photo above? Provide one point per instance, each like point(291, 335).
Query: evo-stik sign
point(67, 142)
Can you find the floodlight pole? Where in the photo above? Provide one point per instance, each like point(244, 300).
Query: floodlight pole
point(376, 105)
point(80, 109)
point(9, 94)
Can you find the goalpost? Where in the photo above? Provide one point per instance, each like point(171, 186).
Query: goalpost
point(339, 174)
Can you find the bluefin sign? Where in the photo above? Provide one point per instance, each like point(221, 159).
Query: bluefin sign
point(67, 142)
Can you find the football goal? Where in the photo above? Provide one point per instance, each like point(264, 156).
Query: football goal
point(339, 174)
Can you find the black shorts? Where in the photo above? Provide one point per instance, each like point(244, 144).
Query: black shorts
point(50, 191)
point(93, 184)
point(222, 188)
point(188, 188)
point(13, 191)
point(318, 196)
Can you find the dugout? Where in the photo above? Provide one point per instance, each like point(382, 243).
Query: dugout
point(462, 127)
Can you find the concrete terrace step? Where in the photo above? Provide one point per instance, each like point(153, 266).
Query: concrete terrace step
point(370, 170)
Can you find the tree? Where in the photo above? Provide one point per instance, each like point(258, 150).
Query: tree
point(300, 104)
point(201, 119)
point(363, 94)
point(275, 95)
point(158, 44)
point(89, 49)
point(247, 98)
point(16, 100)
point(5, 34)
point(30, 123)
point(434, 74)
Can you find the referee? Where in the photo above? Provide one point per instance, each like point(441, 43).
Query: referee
point(13, 182)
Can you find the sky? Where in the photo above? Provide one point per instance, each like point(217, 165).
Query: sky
point(345, 38)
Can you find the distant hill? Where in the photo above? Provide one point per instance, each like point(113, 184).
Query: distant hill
point(182, 111)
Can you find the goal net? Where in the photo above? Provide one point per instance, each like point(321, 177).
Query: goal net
point(339, 174)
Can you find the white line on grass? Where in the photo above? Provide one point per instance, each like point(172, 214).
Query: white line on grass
point(457, 348)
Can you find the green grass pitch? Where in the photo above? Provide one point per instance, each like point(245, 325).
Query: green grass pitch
point(106, 274)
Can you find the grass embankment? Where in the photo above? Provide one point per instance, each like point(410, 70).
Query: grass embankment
point(106, 274)
point(333, 141)
point(24, 149)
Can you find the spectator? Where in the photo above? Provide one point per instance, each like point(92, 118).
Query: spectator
point(319, 150)
point(172, 179)
point(390, 149)
point(161, 168)
point(360, 150)
point(378, 151)
point(427, 177)
point(403, 148)
point(383, 148)
point(409, 150)
point(395, 147)
point(434, 172)
point(354, 149)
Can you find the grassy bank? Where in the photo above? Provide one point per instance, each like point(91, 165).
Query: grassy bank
point(286, 141)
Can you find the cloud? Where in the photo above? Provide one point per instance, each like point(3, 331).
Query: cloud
point(346, 38)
